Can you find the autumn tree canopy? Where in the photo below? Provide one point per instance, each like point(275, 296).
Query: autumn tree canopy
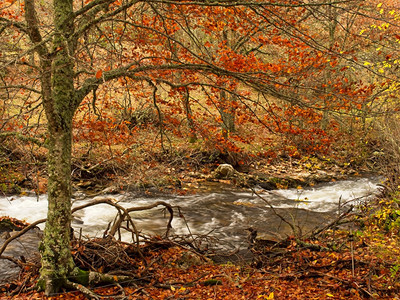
point(294, 68)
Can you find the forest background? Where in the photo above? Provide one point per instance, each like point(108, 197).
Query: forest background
point(154, 93)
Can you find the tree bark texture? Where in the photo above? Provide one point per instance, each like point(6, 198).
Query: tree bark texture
point(58, 101)
point(227, 113)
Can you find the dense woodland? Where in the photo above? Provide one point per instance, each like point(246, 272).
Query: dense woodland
point(139, 94)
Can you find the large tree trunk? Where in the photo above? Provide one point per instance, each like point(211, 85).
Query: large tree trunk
point(57, 262)
point(58, 100)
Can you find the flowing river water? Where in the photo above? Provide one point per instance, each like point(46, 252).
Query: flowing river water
point(218, 211)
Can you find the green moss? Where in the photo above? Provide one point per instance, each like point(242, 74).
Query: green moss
point(80, 276)
point(275, 180)
point(211, 282)
point(40, 285)
point(55, 285)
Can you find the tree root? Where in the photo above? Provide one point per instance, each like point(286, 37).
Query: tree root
point(84, 290)
point(95, 278)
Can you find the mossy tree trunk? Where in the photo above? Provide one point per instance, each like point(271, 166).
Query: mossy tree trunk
point(57, 263)
point(59, 101)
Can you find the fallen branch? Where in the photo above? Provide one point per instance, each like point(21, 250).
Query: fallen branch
point(80, 279)
point(19, 233)
point(126, 211)
point(117, 224)
point(12, 259)
point(140, 208)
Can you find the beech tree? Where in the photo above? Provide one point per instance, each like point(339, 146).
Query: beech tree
point(61, 55)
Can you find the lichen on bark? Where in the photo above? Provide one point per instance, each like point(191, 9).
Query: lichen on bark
point(57, 262)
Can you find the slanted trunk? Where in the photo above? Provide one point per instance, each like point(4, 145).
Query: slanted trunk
point(177, 78)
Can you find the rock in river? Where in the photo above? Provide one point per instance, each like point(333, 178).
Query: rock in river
point(224, 171)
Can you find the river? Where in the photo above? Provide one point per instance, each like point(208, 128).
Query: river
point(219, 210)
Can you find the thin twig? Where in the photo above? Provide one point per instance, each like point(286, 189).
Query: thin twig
point(275, 212)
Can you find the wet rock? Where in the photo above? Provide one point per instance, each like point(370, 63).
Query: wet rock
point(267, 185)
point(323, 175)
point(225, 171)
point(78, 195)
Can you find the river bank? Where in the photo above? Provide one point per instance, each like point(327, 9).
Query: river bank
point(280, 173)
point(187, 170)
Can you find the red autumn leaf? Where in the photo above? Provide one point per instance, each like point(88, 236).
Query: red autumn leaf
point(99, 73)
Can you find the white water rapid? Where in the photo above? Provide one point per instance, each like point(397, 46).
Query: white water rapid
point(224, 212)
